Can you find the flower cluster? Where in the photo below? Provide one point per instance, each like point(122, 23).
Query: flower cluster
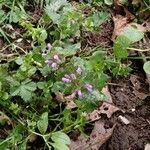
point(69, 78)
point(54, 62)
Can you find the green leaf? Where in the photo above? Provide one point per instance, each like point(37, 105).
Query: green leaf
point(2, 16)
point(52, 8)
point(96, 61)
point(25, 94)
point(31, 86)
point(108, 2)
point(120, 47)
point(45, 70)
point(68, 50)
point(19, 61)
point(55, 5)
point(60, 146)
point(42, 124)
point(53, 16)
point(24, 90)
point(41, 85)
point(0, 86)
point(100, 17)
point(60, 137)
point(146, 67)
point(43, 35)
point(133, 34)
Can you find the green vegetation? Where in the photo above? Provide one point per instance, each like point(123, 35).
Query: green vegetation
point(45, 63)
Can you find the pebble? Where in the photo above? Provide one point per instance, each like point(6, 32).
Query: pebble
point(147, 146)
point(124, 120)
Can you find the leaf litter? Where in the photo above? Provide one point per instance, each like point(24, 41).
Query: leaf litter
point(100, 134)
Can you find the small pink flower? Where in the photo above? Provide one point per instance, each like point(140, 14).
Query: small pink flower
point(67, 76)
point(89, 87)
point(49, 46)
point(57, 58)
point(79, 93)
point(54, 66)
point(66, 80)
point(79, 70)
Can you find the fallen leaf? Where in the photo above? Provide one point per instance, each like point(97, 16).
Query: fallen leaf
point(137, 87)
point(106, 108)
point(140, 95)
point(61, 98)
point(106, 92)
point(139, 27)
point(135, 82)
point(120, 23)
point(98, 137)
point(70, 104)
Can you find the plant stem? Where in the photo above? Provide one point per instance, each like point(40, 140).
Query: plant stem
point(139, 50)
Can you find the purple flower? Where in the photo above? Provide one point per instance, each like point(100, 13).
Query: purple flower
point(57, 58)
point(79, 70)
point(89, 87)
point(49, 46)
point(67, 76)
point(66, 80)
point(54, 66)
point(79, 93)
point(73, 76)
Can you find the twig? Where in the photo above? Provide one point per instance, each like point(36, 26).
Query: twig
point(114, 84)
point(139, 50)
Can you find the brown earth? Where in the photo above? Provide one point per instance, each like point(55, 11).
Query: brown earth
point(129, 94)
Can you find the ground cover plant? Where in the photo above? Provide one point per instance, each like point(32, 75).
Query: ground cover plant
point(52, 74)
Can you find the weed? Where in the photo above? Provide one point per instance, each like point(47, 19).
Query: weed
point(35, 86)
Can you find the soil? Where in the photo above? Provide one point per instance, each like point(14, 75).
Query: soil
point(102, 38)
point(136, 134)
point(131, 95)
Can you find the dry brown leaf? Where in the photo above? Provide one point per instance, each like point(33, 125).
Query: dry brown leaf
point(139, 27)
point(70, 104)
point(61, 98)
point(105, 108)
point(106, 92)
point(108, 109)
point(98, 137)
point(120, 23)
point(140, 95)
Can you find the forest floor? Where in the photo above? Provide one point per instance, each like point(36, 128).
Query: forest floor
point(38, 49)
